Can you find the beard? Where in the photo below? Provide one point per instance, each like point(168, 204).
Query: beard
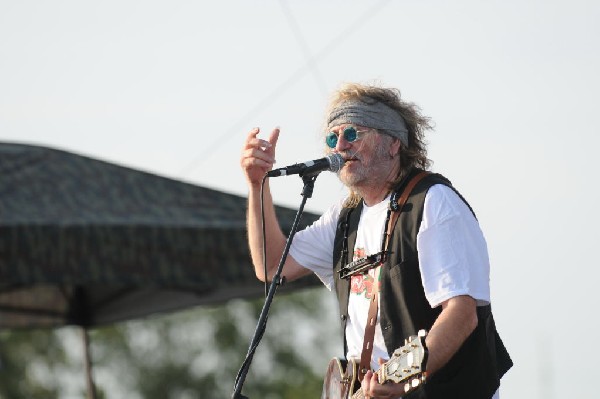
point(358, 172)
point(353, 178)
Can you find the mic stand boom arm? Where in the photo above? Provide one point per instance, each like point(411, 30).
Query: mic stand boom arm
point(309, 183)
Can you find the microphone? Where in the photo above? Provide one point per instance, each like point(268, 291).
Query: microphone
point(332, 162)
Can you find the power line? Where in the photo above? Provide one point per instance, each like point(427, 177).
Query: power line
point(352, 28)
point(310, 60)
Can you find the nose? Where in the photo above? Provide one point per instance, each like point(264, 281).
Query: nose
point(342, 144)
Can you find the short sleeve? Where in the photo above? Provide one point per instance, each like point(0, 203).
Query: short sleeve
point(312, 247)
point(453, 255)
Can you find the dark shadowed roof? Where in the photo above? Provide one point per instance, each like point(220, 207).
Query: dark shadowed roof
point(88, 242)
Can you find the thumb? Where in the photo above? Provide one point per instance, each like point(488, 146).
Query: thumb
point(273, 137)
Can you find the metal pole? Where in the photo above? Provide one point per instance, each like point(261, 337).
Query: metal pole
point(309, 181)
point(91, 388)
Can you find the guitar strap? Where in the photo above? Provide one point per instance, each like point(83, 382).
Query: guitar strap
point(367, 350)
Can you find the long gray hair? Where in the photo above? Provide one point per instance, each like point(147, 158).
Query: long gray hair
point(412, 156)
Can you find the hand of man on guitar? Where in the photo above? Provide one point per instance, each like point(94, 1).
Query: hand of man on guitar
point(373, 389)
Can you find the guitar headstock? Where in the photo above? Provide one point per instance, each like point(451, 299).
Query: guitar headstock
point(407, 364)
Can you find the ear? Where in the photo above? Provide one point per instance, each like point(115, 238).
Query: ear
point(395, 147)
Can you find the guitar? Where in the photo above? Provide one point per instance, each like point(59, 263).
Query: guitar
point(407, 365)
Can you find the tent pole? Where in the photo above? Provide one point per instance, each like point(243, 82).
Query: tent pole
point(88, 364)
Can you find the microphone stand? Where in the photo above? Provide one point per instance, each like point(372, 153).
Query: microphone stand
point(309, 183)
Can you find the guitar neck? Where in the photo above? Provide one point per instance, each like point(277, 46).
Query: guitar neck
point(358, 394)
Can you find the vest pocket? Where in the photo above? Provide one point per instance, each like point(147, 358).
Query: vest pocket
point(407, 266)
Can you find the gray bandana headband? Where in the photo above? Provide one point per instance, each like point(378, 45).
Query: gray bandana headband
point(375, 115)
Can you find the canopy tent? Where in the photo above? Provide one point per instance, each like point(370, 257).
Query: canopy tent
point(86, 242)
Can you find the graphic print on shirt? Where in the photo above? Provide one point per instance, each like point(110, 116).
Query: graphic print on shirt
point(362, 284)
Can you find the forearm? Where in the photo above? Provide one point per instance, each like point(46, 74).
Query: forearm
point(274, 236)
point(258, 157)
point(453, 326)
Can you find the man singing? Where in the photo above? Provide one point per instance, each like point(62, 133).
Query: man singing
point(427, 264)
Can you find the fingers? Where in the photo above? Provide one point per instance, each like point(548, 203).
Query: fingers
point(273, 137)
point(259, 150)
point(373, 389)
point(366, 384)
point(263, 149)
point(258, 155)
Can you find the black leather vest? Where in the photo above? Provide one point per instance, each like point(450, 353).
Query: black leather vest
point(475, 370)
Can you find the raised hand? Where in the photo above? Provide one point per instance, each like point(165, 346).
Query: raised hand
point(258, 155)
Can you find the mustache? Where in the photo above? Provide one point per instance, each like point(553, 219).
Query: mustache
point(349, 155)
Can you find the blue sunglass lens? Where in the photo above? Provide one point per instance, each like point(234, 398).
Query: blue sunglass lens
point(331, 139)
point(350, 135)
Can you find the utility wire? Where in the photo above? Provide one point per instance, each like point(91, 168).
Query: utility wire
point(310, 60)
point(344, 35)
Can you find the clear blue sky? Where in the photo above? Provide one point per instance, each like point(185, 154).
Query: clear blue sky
point(172, 87)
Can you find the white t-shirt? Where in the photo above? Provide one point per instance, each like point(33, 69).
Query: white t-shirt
point(453, 258)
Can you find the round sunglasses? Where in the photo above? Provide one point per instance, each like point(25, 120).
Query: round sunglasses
point(350, 133)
